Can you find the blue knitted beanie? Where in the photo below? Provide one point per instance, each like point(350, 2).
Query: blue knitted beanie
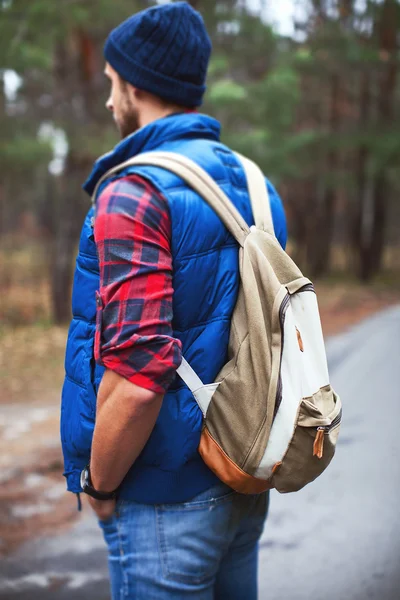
point(164, 50)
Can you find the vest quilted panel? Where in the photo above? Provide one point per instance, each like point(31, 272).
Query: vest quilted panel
point(205, 284)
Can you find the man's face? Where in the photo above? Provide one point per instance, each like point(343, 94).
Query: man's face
point(121, 103)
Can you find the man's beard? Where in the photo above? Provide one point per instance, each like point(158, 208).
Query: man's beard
point(128, 121)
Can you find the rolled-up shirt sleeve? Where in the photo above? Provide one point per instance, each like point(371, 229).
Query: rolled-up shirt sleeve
point(134, 334)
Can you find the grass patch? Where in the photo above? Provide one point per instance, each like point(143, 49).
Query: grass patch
point(31, 363)
point(25, 285)
point(343, 301)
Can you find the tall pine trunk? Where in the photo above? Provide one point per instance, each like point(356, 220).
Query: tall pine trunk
point(319, 253)
point(362, 217)
point(74, 73)
point(373, 238)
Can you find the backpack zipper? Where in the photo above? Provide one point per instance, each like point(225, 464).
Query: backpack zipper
point(282, 312)
point(307, 288)
point(322, 432)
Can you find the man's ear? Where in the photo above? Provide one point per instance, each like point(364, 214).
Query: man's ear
point(136, 94)
point(143, 97)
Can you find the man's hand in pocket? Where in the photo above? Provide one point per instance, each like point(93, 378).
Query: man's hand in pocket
point(104, 509)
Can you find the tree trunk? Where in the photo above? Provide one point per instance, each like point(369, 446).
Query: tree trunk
point(74, 75)
point(319, 253)
point(2, 185)
point(372, 246)
point(361, 215)
point(302, 227)
point(61, 273)
point(73, 205)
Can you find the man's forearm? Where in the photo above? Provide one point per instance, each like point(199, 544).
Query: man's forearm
point(126, 415)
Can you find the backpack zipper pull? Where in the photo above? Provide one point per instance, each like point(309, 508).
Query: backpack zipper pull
point(319, 442)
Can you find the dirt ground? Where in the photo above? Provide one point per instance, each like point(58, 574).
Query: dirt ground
point(32, 490)
point(342, 306)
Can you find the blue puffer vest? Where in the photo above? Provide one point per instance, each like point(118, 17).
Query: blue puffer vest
point(205, 281)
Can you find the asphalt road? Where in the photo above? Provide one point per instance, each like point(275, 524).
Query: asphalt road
point(338, 539)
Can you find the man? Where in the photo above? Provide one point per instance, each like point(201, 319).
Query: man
point(166, 274)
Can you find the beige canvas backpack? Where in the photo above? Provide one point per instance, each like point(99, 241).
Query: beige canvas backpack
point(271, 418)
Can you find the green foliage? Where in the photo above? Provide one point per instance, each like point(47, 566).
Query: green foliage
point(30, 30)
point(226, 91)
point(296, 107)
point(23, 153)
point(275, 98)
point(218, 66)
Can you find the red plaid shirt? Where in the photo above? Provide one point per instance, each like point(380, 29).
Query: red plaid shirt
point(133, 237)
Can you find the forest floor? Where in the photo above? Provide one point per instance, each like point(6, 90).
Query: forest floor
point(32, 489)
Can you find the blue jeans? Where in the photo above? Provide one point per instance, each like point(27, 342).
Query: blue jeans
point(205, 549)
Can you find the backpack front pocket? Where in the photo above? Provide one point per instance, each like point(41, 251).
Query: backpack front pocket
point(313, 443)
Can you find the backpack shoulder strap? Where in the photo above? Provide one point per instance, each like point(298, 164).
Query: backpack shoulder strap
point(258, 192)
point(210, 191)
point(198, 179)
